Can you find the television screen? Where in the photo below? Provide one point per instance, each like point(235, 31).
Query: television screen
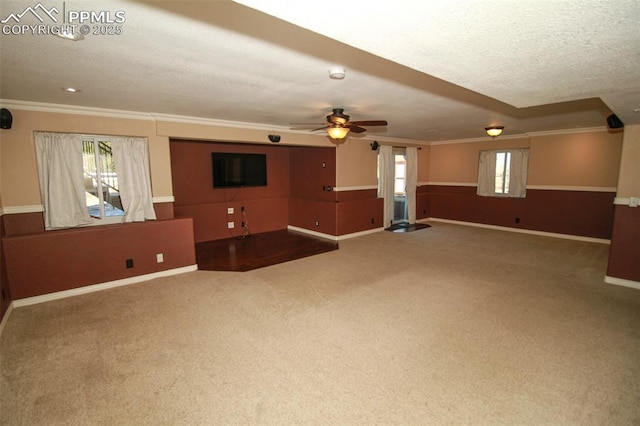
point(232, 170)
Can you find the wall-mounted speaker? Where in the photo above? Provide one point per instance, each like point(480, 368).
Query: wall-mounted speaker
point(374, 145)
point(5, 118)
point(614, 122)
point(274, 138)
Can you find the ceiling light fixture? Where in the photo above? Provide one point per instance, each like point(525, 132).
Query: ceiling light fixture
point(337, 133)
point(494, 131)
point(70, 89)
point(337, 73)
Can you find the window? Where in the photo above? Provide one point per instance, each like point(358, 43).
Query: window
point(92, 179)
point(102, 196)
point(400, 175)
point(503, 173)
point(503, 169)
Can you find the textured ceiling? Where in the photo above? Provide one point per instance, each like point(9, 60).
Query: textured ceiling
point(433, 70)
point(524, 53)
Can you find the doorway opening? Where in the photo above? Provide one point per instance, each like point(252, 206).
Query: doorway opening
point(399, 186)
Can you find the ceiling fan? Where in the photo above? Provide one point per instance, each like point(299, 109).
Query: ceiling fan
point(338, 125)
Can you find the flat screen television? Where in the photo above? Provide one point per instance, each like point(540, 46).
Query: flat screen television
point(234, 170)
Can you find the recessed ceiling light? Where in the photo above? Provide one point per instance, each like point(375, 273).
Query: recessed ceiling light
point(337, 73)
point(71, 89)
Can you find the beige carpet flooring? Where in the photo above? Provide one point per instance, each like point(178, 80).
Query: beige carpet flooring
point(447, 325)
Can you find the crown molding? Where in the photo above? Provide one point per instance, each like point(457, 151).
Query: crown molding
point(524, 135)
point(151, 116)
point(481, 139)
point(569, 131)
point(74, 109)
point(136, 115)
point(383, 140)
point(222, 123)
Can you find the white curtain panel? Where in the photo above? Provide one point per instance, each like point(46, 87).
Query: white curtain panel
point(519, 170)
point(131, 156)
point(487, 174)
point(411, 155)
point(385, 183)
point(61, 177)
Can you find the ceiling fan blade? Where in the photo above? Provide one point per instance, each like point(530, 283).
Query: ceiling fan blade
point(319, 128)
point(370, 123)
point(356, 129)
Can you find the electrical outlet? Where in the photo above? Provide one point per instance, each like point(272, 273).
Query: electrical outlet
point(633, 202)
point(129, 263)
point(317, 223)
point(230, 210)
point(159, 258)
point(231, 225)
point(243, 224)
point(517, 220)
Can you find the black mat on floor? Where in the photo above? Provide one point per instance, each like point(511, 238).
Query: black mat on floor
point(407, 227)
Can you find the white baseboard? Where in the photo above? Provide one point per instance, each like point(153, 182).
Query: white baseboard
point(622, 282)
point(314, 233)
point(334, 237)
point(520, 230)
point(5, 318)
point(99, 287)
point(360, 233)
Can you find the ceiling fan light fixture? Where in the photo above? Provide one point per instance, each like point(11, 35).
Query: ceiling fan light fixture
point(494, 131)
point(338, 117)
point(337, 132)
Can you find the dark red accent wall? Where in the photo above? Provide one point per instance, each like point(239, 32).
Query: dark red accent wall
point(27, 230)
point(423, 202)
point(359, 210)
point(5, 294)
point(624, 253)
point(300, 193)
point(266, 208)
point(79, 257)
point(580, 213)
point(312, 202)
